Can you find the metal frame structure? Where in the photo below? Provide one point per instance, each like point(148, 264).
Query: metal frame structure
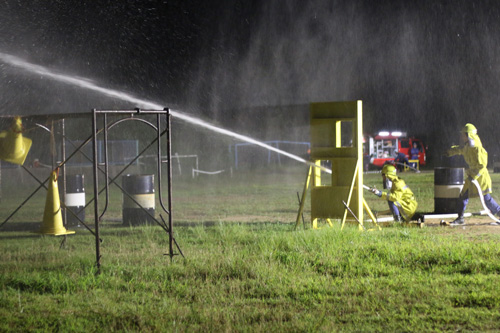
point(133, 115)
point(61, 166)
point(126, 115)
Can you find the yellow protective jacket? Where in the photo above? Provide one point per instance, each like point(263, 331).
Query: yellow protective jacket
point(402, 197)
point(476, 158)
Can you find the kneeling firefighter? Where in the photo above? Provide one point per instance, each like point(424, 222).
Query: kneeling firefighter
point(400, 198)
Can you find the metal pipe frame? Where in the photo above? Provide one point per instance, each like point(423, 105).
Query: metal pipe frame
point(93, 138)
point(61, 165)
point(132, 116)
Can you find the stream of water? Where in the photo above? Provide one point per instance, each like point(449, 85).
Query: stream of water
point(87, 84)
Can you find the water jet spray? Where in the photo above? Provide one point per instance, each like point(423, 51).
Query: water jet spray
point(89, 85)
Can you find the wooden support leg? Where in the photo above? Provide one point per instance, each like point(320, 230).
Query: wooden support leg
point(303, 200)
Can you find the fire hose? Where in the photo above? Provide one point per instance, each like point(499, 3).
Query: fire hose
point(407, 166)
point(372, 190)
point(367, 187)
point(481, 197)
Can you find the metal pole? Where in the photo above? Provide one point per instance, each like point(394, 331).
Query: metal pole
point(352, 213)
point(106, 168)
point(236, 156)
point(96, 191)
point(169, 166)
point(63, 158)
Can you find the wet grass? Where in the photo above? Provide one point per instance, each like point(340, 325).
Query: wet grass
point(240, 276)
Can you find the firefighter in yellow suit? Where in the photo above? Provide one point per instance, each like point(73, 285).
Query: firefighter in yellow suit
point(476, 158)
point(400, 198)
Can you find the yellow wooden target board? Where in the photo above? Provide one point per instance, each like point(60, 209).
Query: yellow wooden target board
point(337, 152)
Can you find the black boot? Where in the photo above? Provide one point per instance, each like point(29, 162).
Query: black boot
point(397, 218)
point(497, 223)
point(458, 221)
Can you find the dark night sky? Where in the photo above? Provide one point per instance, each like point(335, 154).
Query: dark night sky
point(423, 66)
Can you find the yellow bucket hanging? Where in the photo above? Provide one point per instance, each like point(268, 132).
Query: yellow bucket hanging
point(13, 146)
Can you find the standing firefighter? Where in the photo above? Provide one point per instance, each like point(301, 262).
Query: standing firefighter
point(476, 158)
point(400, 198)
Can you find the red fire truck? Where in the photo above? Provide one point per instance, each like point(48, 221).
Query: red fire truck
point(381, 147)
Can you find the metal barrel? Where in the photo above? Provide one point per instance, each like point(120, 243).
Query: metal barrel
point(448, 182)
point(140, 199)
point(75, 198)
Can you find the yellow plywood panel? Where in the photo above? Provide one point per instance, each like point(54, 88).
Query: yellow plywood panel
point(323, 153)
point(343, 171)
point(336, 136)
point(323, 133)
point(326, 202)
point(334, 109)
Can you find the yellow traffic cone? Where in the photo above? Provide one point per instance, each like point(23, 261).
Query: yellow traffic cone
point(13, 146)
point(52, 218)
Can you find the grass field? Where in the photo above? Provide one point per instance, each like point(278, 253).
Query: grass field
point(247, 269)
